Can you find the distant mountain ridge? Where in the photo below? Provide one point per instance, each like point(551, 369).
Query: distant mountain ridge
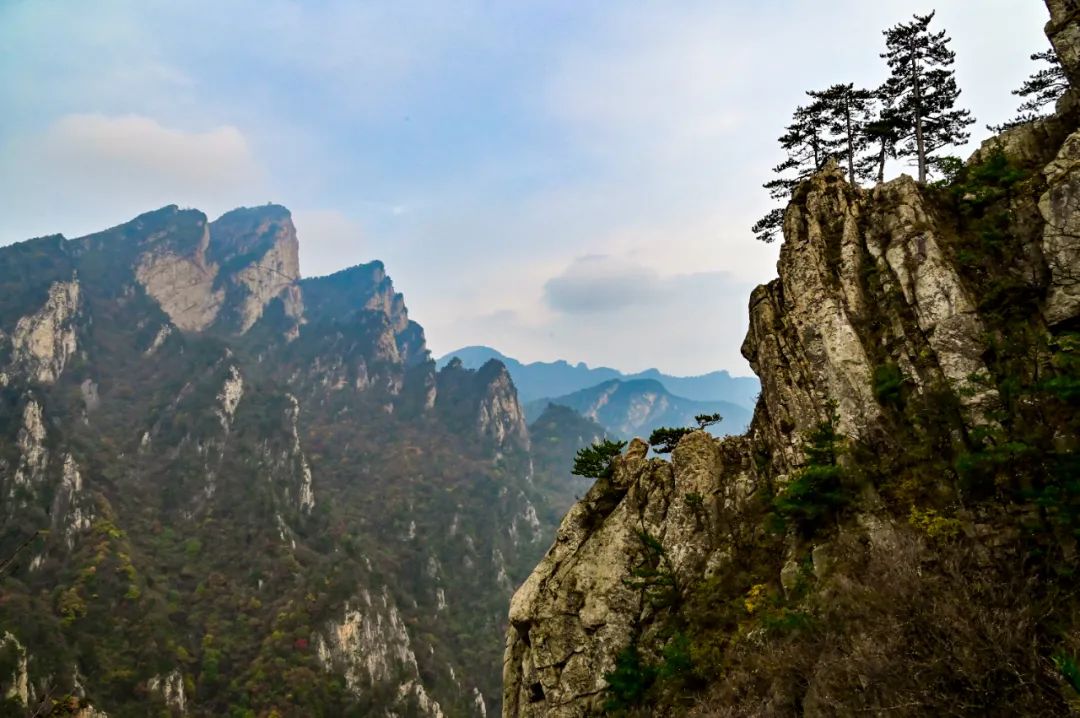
point(636, 407)
point(537, 380)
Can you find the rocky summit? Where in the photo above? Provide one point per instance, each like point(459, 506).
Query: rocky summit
point(231, 490)
point(896, 533)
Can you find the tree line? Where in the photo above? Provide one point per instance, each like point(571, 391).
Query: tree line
point(913, 116)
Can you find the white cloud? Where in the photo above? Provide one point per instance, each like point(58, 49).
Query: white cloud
point(131, 151)
point(600, 283)
point(104, 169)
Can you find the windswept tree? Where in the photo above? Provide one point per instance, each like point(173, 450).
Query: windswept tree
point(847, 112)
point(922, 90)
point(808, 146)
point(1044, 87)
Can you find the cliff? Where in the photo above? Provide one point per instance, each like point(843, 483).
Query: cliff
point(897, 529)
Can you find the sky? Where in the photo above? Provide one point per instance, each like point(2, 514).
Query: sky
point(567, 179)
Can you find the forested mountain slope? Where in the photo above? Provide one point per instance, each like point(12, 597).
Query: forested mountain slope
point(228, 490)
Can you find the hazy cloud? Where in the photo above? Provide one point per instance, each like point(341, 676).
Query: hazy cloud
point(132, 151)
point(107, 169)
point(599, 283)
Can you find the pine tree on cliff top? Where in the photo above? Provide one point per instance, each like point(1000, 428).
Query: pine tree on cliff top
point(1044, 87)
point(923, 91)
point(809, 146)
point(847, 112)
point(880, 138)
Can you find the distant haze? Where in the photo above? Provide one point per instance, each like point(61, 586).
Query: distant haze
point(537, 380)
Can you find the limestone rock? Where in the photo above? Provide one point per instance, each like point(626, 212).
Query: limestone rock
point(44, 342)
point(1060, 207)
point(483, 403)
point(577, 610)
point(370, 645)
point(184, 284)
point(1063, 29)
point(263, 240)
point(171, 689)
point(17, 685)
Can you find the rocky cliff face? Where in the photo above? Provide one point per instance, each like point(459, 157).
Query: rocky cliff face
point(227, 488)
point(887, 534)
point(237, 264)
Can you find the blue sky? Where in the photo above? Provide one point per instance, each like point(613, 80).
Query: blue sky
point(558, 178)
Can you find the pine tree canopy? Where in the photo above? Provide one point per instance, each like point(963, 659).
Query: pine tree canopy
point(1044, 87)
point(809, 146)
point(846, 111)
point(922, 91)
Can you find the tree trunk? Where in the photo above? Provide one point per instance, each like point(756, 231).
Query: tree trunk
point(920, 141)
point(850, 143)
point(881, 163)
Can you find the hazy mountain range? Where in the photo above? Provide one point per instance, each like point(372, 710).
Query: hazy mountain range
point(537, 380)
point(636, 407)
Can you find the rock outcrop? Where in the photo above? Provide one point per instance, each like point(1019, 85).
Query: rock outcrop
point(258, 252)
point(485, 400)
point(918, 343)
point(179, 276)
point(370, 646)
point(44, 342)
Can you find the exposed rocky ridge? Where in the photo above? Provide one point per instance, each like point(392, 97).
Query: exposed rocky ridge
point(922, 340)
point(229, 488)
point(488, 395)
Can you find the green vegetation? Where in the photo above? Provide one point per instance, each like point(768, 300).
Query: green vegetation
point(888, 381)
point(596, 460)
point(664, 439)
point(630, 681)
point(653, 575)
point(817, 491)
point(1044, 87)
point(1070, 671)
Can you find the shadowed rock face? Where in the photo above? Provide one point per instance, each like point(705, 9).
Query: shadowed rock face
point(872, 283)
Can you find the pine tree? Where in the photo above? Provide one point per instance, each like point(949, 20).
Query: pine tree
point(1042, 88)
point(923, 91)
point(881, 136)
point(807, 142)
point(847, 113)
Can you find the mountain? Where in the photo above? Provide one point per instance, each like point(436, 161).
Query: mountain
point(230, 490)
point(538, 380)
point(896, 533)
point(636, 407)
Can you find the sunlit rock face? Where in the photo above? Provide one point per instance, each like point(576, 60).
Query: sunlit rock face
point(44, 342)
